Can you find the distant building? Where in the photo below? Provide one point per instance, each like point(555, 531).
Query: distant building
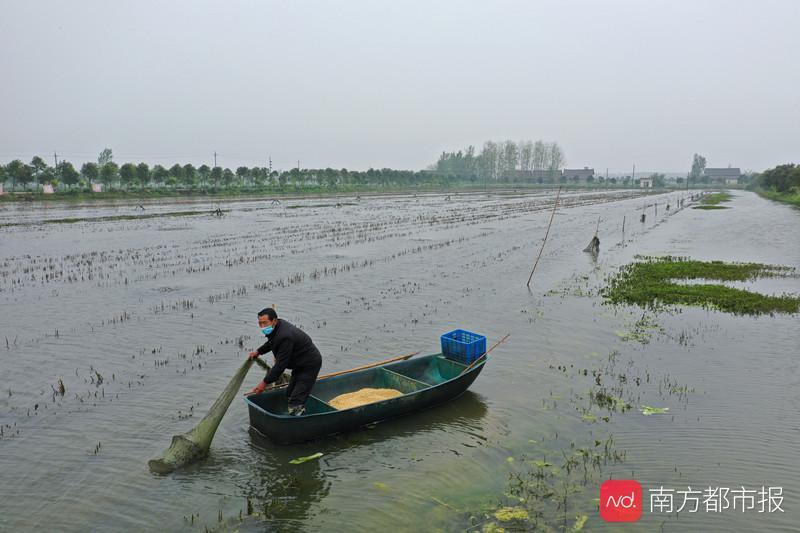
point(728, 176)
point(646, 183)
point(579, 175)
point(546, 176)
point(47, 188)
point(531, 176)
point(97, 187)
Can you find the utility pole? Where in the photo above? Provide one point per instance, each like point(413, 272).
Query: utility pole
point(270, 164)
point(633, 178)
point(215, 159)
point(55, 159)
point(298, 164)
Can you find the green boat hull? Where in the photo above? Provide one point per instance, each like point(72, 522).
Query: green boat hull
point(424, 381)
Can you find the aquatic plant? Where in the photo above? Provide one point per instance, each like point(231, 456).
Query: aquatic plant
point(508, 514)
point(715, 198)
point(646, 410)
point(301, 460)
point(651, 283)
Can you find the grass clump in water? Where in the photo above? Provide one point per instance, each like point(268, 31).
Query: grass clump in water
point(711, 201)
point(710, 207)
point(652, 284)
point(508, 514)
point(715, 198)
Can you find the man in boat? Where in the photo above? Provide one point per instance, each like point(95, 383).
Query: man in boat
point(293, 349)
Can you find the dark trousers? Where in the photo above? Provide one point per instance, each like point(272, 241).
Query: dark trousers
point(301, 383)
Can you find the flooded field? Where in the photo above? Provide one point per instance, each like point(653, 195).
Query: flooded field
point(118, 332)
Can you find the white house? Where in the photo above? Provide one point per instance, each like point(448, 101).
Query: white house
point(646, 183)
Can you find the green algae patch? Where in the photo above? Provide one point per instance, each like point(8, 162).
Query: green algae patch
point(580, 521)
point(301, 460)
point(654, 282)
point(710, 202)
point(508, 514)
point(715, 198)
point(710, 207)
point(646, 410)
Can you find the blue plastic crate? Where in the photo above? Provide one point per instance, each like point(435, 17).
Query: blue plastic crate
point(463, 346)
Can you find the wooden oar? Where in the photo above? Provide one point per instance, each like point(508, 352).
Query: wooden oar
point(362, 367)
point(481, 358)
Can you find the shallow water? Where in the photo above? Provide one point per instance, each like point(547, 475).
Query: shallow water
point(146, 320)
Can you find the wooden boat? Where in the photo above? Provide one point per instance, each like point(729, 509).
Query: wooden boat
point(425, 381)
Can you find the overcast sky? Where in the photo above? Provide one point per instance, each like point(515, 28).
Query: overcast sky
point(391, 84)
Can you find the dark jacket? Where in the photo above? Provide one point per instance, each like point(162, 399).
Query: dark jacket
point(293, 349)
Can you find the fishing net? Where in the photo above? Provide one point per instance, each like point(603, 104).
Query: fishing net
point(594, 246)
point(194, 444)
point(363, 397)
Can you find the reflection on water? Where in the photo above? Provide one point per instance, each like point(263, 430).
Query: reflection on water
point(283, 494)
point(148, 325)
point(461, 415)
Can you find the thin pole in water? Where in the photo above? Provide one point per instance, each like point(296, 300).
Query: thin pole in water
point(555, 205)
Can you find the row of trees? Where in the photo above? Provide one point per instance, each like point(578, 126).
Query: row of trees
point(129, 175)
point(501, 159)
point(782, 179)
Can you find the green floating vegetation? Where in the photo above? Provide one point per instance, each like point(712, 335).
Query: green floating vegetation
point(652, 283)
point(507, 514)
point(710, 207)
point(307, 458)
point(580, 521)
point(647, 410)
point(715, 198)
point(710, 202)
point(641, 331)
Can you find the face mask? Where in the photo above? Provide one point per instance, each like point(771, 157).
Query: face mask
point(267, 330)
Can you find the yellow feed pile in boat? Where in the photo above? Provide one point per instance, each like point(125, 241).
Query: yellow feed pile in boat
point(362, 397)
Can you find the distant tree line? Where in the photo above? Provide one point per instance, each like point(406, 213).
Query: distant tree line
point(781, 179)
point(498, 160)
point(130, 176)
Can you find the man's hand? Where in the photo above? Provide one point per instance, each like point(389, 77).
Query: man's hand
point(258, 388)
point(253, 355)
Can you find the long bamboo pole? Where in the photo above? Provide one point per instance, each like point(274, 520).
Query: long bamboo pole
point(339, 373)
point(479, 359)
point(364, 367)
point(555, 205)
